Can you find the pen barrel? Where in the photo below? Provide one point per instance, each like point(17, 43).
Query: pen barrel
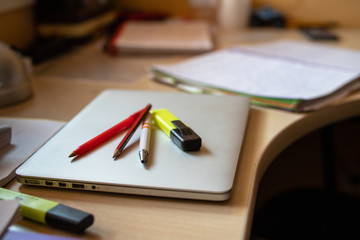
point(145, 133)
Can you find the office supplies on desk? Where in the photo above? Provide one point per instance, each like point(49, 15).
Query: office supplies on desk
point(144, 144)
point(207, 174)
point(50, 212)
point(284, 74)
point(108, 134)
point(162, 37)
point(27, 136)
point(180, 134)
point(131, 131)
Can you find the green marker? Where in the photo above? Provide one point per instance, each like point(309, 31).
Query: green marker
point(49, 212)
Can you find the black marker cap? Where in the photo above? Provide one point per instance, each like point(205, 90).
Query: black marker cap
point(184, 137)
point(68, 218)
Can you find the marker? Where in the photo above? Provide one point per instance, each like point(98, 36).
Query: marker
point(180, 134)
point(145, 139)
point(49, 212)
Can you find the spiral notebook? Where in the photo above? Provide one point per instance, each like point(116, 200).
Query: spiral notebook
point(207, 174)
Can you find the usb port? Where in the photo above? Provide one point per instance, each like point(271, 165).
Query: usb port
point(62, 184)
point(74, 185)
point(49, 183)
point(32, 181)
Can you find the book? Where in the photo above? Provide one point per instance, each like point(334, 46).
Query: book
point(162, 37)
point(289, 75)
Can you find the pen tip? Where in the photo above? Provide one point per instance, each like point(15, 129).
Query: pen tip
point(143, 155)
point(116, 154)
point(73, 154)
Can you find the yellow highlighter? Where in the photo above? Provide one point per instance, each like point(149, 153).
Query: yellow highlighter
point(180, 134)
point(49, 212)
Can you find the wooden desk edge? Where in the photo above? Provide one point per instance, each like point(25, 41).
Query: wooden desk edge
point(288, 135)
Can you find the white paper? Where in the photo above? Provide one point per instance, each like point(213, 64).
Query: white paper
point(270, 70)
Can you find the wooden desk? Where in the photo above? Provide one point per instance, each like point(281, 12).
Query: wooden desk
point(120, 216)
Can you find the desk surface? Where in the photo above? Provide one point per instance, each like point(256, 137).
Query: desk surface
point(62, 87)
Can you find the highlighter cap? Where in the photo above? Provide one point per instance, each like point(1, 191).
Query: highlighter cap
point(184, 137)
point(68, 218)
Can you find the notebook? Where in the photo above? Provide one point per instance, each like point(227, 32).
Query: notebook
point(290, 75)
point(207, 174)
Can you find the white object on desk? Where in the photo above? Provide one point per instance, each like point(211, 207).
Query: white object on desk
point(163, 36)
point(27, 136)
point(15, 73)
point(259, 73)
point(145, 139)
point(207, 174)
point(281, 70)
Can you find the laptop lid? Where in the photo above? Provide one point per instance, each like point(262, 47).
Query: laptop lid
point(206, 174)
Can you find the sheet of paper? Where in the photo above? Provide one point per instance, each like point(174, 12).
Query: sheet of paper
point(267, 70)
point(27, 136)
point(311, 52)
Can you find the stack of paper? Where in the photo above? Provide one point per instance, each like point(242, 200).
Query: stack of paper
point(285, 74)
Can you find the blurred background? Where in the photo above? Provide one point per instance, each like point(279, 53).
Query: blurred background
point(24, 22)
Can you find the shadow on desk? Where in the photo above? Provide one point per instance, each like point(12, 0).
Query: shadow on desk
point(312, 189)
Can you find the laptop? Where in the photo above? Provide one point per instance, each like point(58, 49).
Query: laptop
point(206, 174)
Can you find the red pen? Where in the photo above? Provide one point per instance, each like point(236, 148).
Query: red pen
point(91, 144)
point(131, 131)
